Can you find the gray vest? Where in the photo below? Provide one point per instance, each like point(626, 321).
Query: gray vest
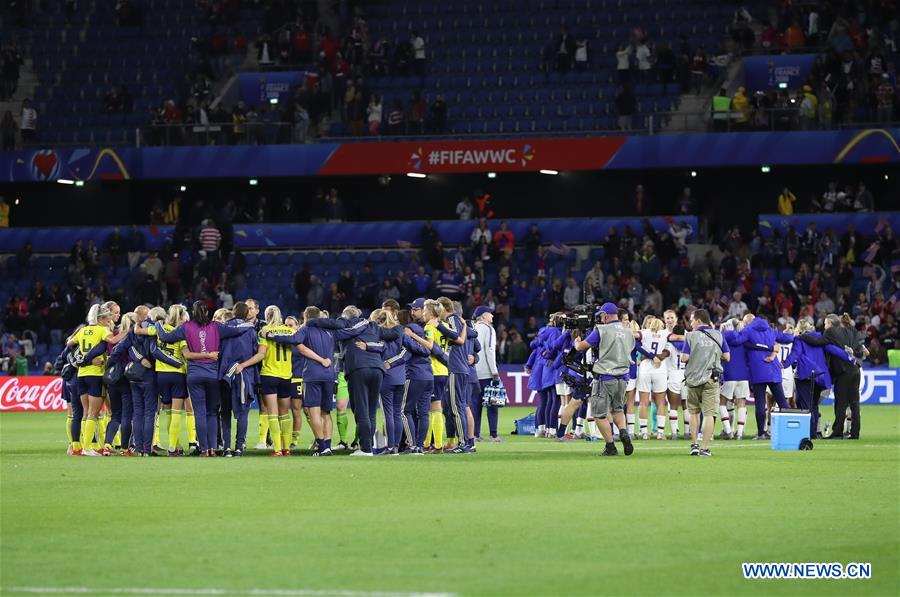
point(614, 349)
point(705, 357)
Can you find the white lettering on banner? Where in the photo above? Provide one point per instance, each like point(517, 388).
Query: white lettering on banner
point(519, 380)
point(878, 378)
point(446, 157)
point(31, 394)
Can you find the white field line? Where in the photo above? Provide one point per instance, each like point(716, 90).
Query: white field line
point(210, 592)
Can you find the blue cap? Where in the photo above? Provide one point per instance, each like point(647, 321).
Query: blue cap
point(479, 311)
point(419, 303)
point(608, 308)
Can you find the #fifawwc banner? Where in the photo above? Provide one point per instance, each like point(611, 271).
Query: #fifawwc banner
point(32, 393)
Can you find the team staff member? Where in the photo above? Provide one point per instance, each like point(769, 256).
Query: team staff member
point(203, 337)
point(765, 368)
point(90, 376)
point(365, 369)
point(473, 348)
point(844, 374)
point(486, 369)
point(316, 345)
point(614, 343)
point(453, 328)
point(420, 382)
point(704, 351)
point(120, 394)
point(239, 379)
point(811, 376)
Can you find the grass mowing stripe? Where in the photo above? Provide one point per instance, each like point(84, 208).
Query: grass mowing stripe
point(214, 592)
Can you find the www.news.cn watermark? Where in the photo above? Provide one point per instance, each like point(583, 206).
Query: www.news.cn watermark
point(806, 570)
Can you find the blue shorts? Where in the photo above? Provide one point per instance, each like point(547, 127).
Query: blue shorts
point(318, 394)
point(296, 389)
point(441, 385)
point(171, 385)
point(92, 385)
point(275, 385)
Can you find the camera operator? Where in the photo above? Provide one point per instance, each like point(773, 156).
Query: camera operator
point(704, 350)
point(614, 343)
point(574, 374)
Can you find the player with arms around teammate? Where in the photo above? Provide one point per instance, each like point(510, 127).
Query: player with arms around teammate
point(704, 351)
point(90, 375)
point(614, 343)
point(239, 379)
point(653, 374)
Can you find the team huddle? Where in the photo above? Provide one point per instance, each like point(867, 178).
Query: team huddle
point(198, 375)
point(708, 373)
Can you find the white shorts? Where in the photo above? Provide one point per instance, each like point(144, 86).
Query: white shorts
point(563, 389)
point(631, 385)
point(787, 382)
point(651, 378)
point(675, 381)
point(736, 389)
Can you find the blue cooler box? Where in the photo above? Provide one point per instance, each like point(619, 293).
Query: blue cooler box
point(526, 425)
point(789, 428)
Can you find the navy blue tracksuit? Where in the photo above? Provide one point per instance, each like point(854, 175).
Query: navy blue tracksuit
point(417, 393)
point(458, 400)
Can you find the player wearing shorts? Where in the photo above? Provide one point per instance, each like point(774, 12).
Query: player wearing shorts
point(297, 411)
point(90, 375)
point(172, 379)
point(652, 374)
point(787, 373)
point(675, 390)
point(735, 377)
point(275, 379)
point(454, 329)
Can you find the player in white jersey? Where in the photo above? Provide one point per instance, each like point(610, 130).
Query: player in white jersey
point(675, 388)
point(653, 375)
point(787, 374)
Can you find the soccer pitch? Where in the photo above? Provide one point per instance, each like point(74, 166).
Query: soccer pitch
point(528, 516)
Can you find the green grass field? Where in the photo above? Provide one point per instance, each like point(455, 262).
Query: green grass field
point(526, 516)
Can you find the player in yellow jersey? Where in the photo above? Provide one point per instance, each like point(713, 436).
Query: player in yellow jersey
point(275, 379)
point(172, 379)
point(431, 315)
point(91, 341)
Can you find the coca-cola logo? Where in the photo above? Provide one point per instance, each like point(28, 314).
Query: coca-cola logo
point(31, 393)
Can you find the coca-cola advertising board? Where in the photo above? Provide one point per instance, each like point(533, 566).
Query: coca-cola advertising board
point(32, 393)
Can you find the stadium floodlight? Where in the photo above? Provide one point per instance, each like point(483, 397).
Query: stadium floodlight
point(492, 175)
point(765, 169)
point(65, 181)
point(79, 183)
point(550, 172)
point(886, 177)
point(693, 174)
point(253, 182)
point(182, 188)
point(273, 100)
point(782, 85)
point(416, 175)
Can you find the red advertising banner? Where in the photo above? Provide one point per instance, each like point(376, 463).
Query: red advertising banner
point(509, 155)
point(33, 393)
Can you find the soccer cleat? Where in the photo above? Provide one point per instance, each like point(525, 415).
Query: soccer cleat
point(229, 453)
point(695, 449)
point(360, 453)
point(90, 452)
point(285, 452)
point(158, 449)
point(725, 436)
point(260, 446)
point(325, 452)
point(342, 446)
point(645, 435)
point(609, 451)
point(238, 452)
point(106, 451)
point(69, 450)
point(274, 454)
point(478, 438)
point(660, 435)
point(673, 436)
point(497, 439)
point(615, 437)
point(76, 452)
point(293, 446)
point(459, 449)
point(564, 439)
point(418, 452)
point(627, 446)
point(172, 453)
point(686, 435)
point(194, 449)
point(354, 447)
point(130, 452)
point(705, 453)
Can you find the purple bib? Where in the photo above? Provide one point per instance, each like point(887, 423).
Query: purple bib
point(202, 338)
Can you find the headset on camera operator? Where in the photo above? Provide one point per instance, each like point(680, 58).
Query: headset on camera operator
point(574, 367)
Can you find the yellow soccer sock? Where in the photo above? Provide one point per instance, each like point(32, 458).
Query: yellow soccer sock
point(101, 425)
point(275, 426)
point(81, 437)
point(430, 435)
point(69, 428)
point(439, 425)
point(90, 427)
point(175, 428)
point(156, 428)
point(191, 427)
point(117, 441)
point(287, 427)
point(263, 427)
point(295, 437)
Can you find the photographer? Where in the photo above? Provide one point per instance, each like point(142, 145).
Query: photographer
point(704, 351)
point(614, 343)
